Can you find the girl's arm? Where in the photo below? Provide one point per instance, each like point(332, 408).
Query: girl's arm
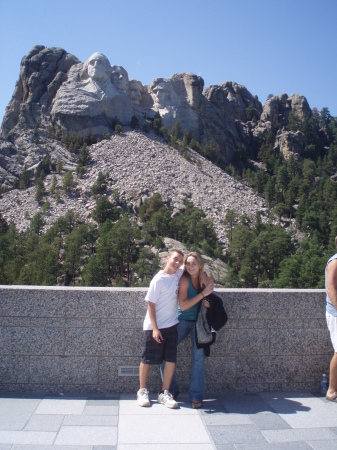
point(206, 280)
point(187, 303)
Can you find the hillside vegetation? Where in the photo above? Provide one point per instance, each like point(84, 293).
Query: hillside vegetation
point(124, 250)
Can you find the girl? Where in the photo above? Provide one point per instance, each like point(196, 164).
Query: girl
point(194, 285)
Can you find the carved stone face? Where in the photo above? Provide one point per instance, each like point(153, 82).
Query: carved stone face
point(119, 78)
point(136, 90)
point(98, 67)
point(177, 99)
point(160, 94)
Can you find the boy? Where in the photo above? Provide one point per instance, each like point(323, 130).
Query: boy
point(160, 329)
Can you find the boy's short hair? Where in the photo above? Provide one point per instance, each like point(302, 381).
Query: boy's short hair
point(175, 250)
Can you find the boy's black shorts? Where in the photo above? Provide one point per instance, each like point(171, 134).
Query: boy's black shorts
point(155, 353)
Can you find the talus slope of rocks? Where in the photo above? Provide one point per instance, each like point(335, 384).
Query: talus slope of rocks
point(138, 166)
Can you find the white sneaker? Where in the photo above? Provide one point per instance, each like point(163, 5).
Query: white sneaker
point(143, 397)
point(167, 400)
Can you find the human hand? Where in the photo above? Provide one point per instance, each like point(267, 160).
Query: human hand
point(206, 303)
point(208, 289)
point(157, 336)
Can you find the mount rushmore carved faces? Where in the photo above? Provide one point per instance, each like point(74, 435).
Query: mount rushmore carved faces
point(97, 67)
point(89, 91)
point(120, 78)
point(103, 93)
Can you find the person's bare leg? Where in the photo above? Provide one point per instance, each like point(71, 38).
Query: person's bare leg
point(167, 376)
point(144, 370)
point(332, 391)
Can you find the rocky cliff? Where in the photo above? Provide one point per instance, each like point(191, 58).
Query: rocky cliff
point(91, 96)
point(57, 91)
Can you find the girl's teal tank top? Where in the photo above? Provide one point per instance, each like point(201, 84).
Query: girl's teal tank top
point(189, 314)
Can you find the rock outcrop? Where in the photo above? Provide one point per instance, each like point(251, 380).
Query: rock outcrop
point(290, 143)
point(276, 114)
point(233, 100)
point(276, 110)
point(42, 73)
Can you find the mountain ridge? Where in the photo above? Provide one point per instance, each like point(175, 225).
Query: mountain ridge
point(56, 91)
point(54, 87)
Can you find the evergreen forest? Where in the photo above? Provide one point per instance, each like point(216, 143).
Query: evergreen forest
point(116, 252)
point(288, 251)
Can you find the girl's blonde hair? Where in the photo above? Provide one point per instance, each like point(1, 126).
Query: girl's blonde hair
point(201, 265)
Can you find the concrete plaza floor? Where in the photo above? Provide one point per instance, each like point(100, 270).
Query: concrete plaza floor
point(106, 422)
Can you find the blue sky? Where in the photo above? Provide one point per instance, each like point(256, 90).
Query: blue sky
point(269, 46)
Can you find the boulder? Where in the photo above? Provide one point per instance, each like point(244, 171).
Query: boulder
point(233, 99)
point(290, 143)
point(276, 110)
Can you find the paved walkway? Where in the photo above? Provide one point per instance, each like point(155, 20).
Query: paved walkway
point(107, 422)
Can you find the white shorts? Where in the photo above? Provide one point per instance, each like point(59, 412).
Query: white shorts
point(332, 327)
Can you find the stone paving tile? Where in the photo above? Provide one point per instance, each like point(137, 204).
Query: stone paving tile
point(323, 445)
point(104, 421)
point(27, 437)
point(213, 409)
point(265, 421)
point(226, 419)
point(102, 402)
point(159, 429)
point(129, 406)
point(302, 410)
point(61, 406)
point(281, 446)
point(226, 447)
point(15, 412)
point(251, 404)
point(51, 447)
point(208, 401)
point(44, 422)
point(236, 434)
point(100, 410)
point(287, 403)
point(103, 447)
point(81, 435)
point(103, 396)
point(167, 447)
point(304, 434)
point(269, 421)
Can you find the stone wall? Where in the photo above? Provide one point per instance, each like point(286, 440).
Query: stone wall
point(59, 339)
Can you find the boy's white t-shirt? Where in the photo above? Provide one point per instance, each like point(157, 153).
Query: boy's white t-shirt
point(163, 291)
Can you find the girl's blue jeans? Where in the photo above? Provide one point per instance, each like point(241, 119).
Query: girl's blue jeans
point(197, 381)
